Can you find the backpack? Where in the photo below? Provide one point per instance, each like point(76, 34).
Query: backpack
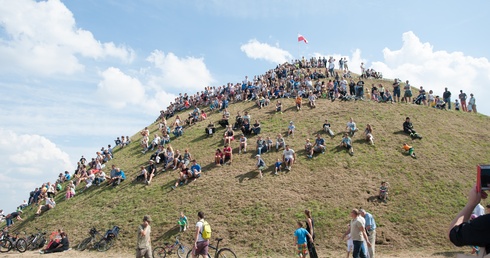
point(206, 230)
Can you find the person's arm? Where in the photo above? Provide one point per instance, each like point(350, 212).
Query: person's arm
point(346, 232)
point(310, 236)
point(294, 157)
point(474, 199)
point(196, 237)
point(142, 231)
point(365, 235)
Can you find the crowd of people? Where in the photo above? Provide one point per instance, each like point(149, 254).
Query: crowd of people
point(299, 80)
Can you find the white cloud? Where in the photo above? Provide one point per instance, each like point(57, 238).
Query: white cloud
point(179, 75)
point(42, 37)
point(419, 63)
point(118, 89)
point(256, 50)
point(28, 161)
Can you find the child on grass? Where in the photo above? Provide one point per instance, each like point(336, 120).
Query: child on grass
point(291, 128)
point(277, 166)
point(182, 222)
point(383, 191)
point(410, 150)
point(260, 164)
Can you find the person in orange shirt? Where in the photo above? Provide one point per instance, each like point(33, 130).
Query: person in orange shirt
point(410, 150)
point(298, 101)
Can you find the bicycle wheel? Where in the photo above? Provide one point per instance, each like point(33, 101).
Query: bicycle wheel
point(83, 245)
point(181, 251)
point(105, 244)
point(189, 254)
point(5, 245)
point(159, 252)
point(21, 245)
point(226, 253)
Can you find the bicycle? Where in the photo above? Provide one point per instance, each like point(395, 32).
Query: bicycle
point(92, 239)
point(108, 239)
point(219, 252)
point(8, 242)
point(101, 243)
point(162, 251)
point(34, 241)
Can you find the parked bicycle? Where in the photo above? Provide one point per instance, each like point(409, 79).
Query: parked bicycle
point(32, 242)
point(8, 242)
point(98, 241)
point(218, 252)
point(168, 249)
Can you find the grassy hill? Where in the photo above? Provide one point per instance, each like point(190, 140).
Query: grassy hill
point(256, 217)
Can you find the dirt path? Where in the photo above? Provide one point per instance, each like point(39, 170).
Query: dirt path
point(92, 254)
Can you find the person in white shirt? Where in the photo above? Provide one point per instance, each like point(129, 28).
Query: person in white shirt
point(288, 157)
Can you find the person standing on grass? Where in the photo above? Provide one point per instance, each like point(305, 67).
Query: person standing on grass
point(310, 228)
point(447, 97)
point(143, 244)
point(300, 240)
point(462, 100)
point(472, 104)
point(371, 231)
point(200, 244)
point(358, 234)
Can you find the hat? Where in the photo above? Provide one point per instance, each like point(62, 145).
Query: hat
point(362, 211)
point(258, 155)
point(151, 161)
point(147, 218)
point(290, 122)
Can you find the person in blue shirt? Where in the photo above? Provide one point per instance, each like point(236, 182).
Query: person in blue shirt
point(300, 239)
point(195, 169)
point(119, 177)
point(347, 143)
point(370, 230)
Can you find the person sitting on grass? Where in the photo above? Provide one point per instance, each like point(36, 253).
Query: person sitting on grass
point(410, 150)
point(119, 177)
point(184, 175)
point(280, 142)
point(228, 154)
point(408, 128)
point(243, 144)
point(151, 170)
point(291, 128)
point(368, 132)
point(277, 166)
point(177, 158)
point(298, 102)
point(288, 157)
point(169, 158)
point(279, 106)
point(312, 100)
point(50, 204)
point(195, 170)
point(319, 144)
point(383, 191)
point(55, 247)
point(328, 128)
point(256, 127)
point(309, 149)
point(165, 139)
point(261, 145)
point(210, 129)
point(183, 223)
point(143, 175)
point(229, 135)
point(260, 165)
point(178, 131)
point(246, 129)
point(99, 178)
point(347, 143)
point(186, 159)
point(351, 127)
point(268, 143)
point(238, 121)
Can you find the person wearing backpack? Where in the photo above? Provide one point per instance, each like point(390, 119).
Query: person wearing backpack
point(203, 234)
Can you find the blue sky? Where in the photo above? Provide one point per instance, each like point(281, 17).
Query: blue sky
point(76, 74)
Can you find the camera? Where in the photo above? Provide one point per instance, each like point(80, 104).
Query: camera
point(483, 177)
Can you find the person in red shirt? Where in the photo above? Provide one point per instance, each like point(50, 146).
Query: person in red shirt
point(228, 153)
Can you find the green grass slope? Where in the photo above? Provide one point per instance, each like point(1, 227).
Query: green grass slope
point(256, 217)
